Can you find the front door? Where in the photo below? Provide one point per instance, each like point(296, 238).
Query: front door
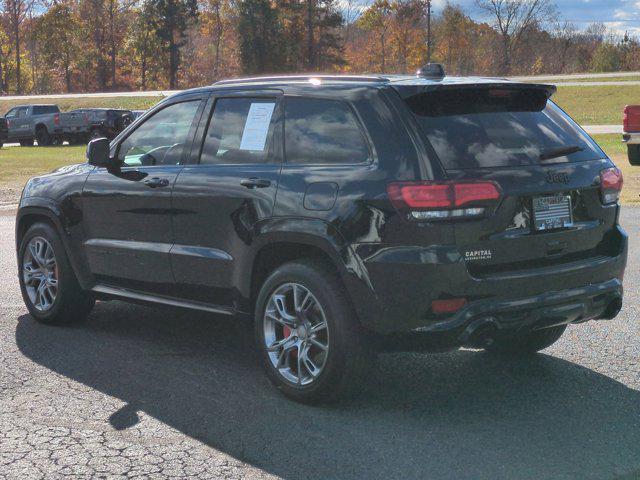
point(18, 123)
point(127, 210)
point(218, 200)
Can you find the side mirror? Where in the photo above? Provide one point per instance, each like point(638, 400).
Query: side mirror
point(98, 153)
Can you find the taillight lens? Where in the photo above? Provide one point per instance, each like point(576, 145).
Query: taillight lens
point(56, 119)
point(443, 200)
point(631, 118)
point(610, 184)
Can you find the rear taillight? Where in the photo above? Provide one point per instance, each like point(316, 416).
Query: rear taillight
point(56, 119)
point(631, 118)
point(443, 200)
point(610, 185)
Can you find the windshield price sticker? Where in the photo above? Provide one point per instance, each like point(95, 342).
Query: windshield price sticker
point(256, 127)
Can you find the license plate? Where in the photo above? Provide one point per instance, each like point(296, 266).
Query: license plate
point(552, 212)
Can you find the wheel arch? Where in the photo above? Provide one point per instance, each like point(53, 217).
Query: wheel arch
point(283, 240)
point(34, 210)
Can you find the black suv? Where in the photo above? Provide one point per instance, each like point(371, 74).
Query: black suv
point(343, 216)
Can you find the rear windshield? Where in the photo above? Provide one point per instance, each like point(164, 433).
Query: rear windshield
point(499, 128)
point(42, 109)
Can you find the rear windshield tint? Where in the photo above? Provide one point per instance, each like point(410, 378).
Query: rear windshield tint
point(499, 128)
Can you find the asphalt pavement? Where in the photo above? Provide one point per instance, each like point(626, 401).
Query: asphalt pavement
point(144, 392)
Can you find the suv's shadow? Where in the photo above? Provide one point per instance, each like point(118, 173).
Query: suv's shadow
point(457, 415)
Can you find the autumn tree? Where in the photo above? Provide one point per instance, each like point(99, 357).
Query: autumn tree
point(143, 48)
point(171, 19)
point(513, 19)
point(17, 12)
point(408, 37)
point(57, 34)
point(376, 20)
point(260, 30)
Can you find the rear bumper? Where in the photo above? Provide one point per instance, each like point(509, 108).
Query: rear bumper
point(404, 282)
point(631, 138)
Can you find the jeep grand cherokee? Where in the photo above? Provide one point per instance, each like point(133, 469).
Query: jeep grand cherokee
point(342, 215)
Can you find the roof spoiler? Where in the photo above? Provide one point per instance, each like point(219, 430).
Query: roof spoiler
point(407, 91)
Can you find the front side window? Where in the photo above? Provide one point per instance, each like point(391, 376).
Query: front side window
point(239, 131)
point(161, 139)
point(319, 131)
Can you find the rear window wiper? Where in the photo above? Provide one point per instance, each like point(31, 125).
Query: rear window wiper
point(560, 152)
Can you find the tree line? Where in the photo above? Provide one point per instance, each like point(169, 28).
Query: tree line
point(49, 46)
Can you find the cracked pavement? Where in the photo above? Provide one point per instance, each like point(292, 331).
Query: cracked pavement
point(141, 392)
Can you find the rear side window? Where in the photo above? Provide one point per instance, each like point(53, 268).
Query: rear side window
point(239, 131)
point(491, 128)
point(42, 109)
point(319, 131)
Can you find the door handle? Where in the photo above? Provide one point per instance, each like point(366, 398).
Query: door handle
point(254, 182)
point(157, 182)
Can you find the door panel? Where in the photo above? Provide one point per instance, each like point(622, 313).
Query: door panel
point(127, 211)
point(217, 203)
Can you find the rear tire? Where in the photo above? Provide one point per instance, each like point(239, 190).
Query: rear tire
point(634, 154)
point(26, 143)
point(337, 369)
point(528, 343)
point(49, 287)
point(42, 137)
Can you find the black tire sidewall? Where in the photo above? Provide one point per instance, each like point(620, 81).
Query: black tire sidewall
point(43, 138)
point(343, 336)
point(69, 292)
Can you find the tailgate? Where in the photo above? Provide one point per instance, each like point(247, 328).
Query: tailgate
point(552, 207)
point(74, 120)
point(547, 216)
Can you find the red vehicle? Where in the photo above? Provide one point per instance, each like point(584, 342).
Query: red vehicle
point(631, 135)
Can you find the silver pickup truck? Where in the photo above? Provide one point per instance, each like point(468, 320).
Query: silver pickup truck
point(46, 125)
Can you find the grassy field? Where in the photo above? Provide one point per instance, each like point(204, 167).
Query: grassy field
point(66, 104)
point(588, 105)
point(632, 78)
point(601, 105)
point(19, 163)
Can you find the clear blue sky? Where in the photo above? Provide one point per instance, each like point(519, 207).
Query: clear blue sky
point(618, 15)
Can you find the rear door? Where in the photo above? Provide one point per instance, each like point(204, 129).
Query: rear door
point(230, 186)
point(547, 169)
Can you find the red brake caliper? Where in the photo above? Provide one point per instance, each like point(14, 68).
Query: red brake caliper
point(286, 332)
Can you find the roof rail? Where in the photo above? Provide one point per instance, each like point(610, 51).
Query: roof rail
point(305, 78)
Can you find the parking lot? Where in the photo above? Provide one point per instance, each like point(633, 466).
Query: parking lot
point(161, 393)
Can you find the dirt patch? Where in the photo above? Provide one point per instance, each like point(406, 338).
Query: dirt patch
point(10, 194)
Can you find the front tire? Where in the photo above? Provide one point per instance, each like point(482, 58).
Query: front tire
point(48, 284)
point(308, 338)
point(26, 143)
point(528, 343)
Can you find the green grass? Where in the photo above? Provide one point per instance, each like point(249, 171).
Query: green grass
point(17, 164)
point(601, 105)
point(67, 104)
point(587, 105)
point(632, 78)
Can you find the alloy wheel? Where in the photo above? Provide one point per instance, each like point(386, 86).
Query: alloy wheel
point(296, 334)
point(40, 273)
